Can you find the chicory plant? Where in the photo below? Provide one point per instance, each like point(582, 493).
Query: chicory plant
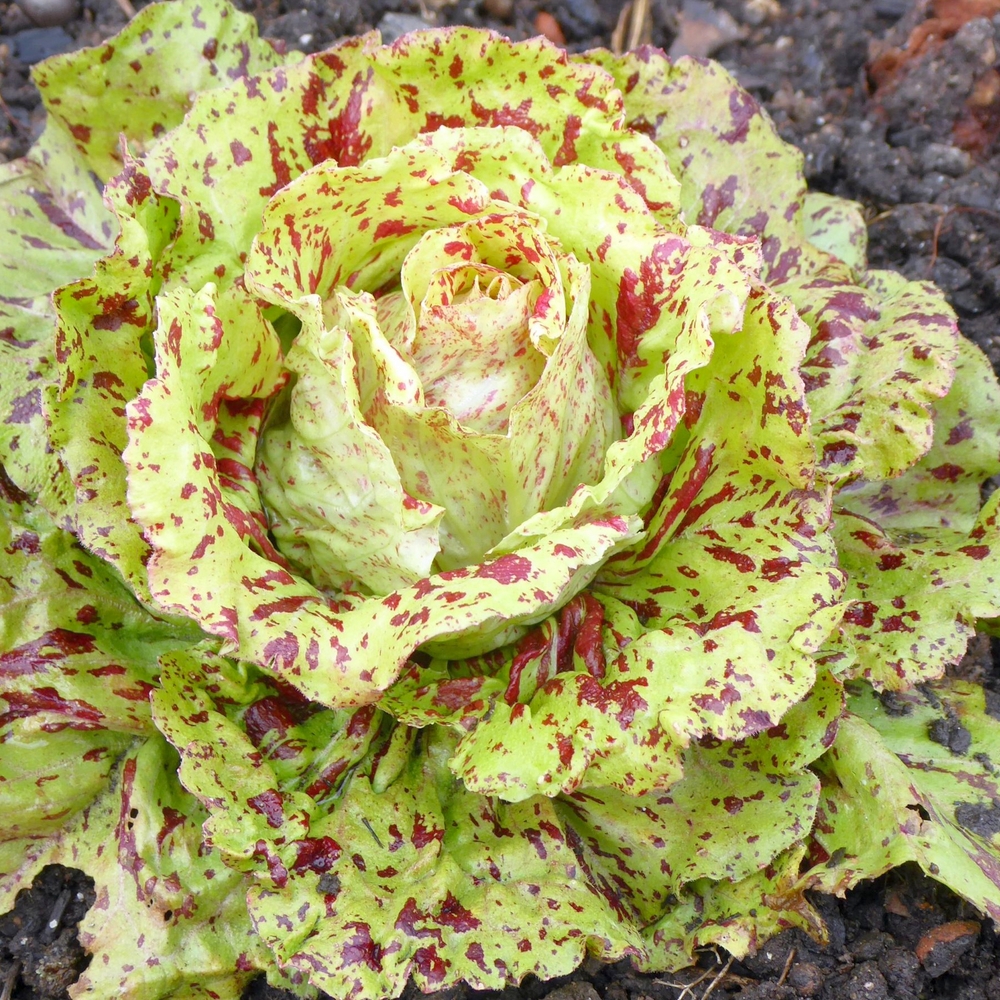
point(464, 508)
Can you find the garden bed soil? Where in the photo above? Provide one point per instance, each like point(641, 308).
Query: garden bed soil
point(895, 103)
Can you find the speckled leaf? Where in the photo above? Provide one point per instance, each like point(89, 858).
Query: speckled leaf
point(838, 227)
point(50, 206)
point(53, 223)
point(170, 919)
point(357, 101)
point(736, 173)
point(943, 489)
point(881, 357)
point(165, 55)
point(426, 880)
point(26, 359)
point(916, 595)
point(77, 662)
point(102, 347)
point(328, 826)
point(913, 778)
point(75, 647)
point(701, 827)
point(738, 916)
point(881, 353)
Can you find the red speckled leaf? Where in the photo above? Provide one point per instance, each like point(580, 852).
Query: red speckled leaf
point(77, 663)
point(101, 349)
point(943, 489)
point(881, 356)
point(912, 778)
point(140, 841)
point(916, 596)
point(158, 61)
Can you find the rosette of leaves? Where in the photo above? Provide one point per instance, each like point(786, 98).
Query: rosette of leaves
point(460, 504)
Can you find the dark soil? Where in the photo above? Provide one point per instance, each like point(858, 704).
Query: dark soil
point(895, 103)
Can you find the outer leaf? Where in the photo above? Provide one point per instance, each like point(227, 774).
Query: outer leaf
point(892, 793)
point(739, 917)
point(140, 841)
point(27, 358)
point(464, 888)
point(443, 864)
point(916, 600)
point(77, 662)
point(838, 227)
point(706, 125)
point(869, 343)
point(101, 347)
point(943, 489)
point(880, 359)
point(164, 55)
point(75, 646)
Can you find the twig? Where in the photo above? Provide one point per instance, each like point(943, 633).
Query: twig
point(618, 34)
point(371, 830)
point(939, 225)
point(685, 988)
point(55, 917)
point(127, 8)
point(788, 965)
point(633, 21)
point(718, 979)
point(14, 123)
point(10, 980)
point(640, 15)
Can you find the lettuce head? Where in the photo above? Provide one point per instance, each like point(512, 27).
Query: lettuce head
point(464, 508)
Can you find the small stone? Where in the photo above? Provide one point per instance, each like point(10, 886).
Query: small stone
point(807, 978)
point(49, 13)
point(502, 10)
point(937, 157)
point(35, 44)
point(976, 38)
point(758, 12)
point(941, 948)
point(394, 25)
point(704, 29)
point(548, 26)
point(866, 982)
point(574, 991)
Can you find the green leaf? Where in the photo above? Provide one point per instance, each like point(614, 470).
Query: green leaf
point(738, 916)
point(916, 596)
point(101, 346)
point(943, 489)
point(160, 891)
point(912, 779)
point(882, 356)
point(76, 648)
point(838, 227)
point(164, 55)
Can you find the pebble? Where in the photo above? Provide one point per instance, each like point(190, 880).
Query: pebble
point(807, 978)
point(502, 10)
point(976, 38)
point(939, 949)
point(394, 25)
point(937, 157)
point(547, 25)
point(49, 13)
point(35, 44)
